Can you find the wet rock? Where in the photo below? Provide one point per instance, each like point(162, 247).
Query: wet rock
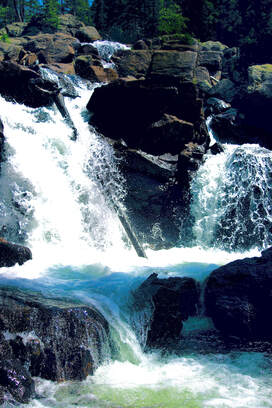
point(170, 119)
point(25, 85)
point(216, 148)
point(167, 135)
point(85, 66)
point(87, 49)
point(225, 89)
point(56, 340)
point(238, 297)
point(229, 127)
point(11, 254)
point(215, 106)
point(168, 303)
point(15, 381)
point(2, 139)
point(152, 197)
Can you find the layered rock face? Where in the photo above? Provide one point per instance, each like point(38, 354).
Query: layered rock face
point(238, 297)
point(52, 339)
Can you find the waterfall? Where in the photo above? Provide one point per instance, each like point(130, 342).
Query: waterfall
point(231, 201)
point(57, 199)
point(54, 199)
point(106, 49)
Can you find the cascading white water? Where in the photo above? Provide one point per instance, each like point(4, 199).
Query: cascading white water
point(52, 200)
point(106, 49)
point(232, 199)
point(65, 206)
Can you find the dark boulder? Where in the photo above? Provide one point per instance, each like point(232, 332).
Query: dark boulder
point(229, 127)
point(168, 134)
point(238, 297)
point(57, 340)
point(215, 106)
point(15, 381)
point(11, 254)
point(154, 202)
point(25, 85)
point(167, 303)
point(139, 114)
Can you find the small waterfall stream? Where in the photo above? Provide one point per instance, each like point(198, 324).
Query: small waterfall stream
point(51, 201)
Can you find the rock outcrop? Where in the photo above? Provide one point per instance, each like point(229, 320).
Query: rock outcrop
point(11, 254)
point(238, 297)
point(52, 339)
point(159, 116)
point(166, 303)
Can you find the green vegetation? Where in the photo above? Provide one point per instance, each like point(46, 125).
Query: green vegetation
point(171, 21)
point(4, 38)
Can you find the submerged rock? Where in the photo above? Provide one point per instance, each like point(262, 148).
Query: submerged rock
point(168, 302)
point(238, 297)
point(56, 340)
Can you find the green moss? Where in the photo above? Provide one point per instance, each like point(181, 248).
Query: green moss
point(257, 74)
point(4, 38)
point(213, 46)
point(262, 68)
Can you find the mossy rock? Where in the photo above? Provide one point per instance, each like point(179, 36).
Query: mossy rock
point(259, 73)
point(213, 46)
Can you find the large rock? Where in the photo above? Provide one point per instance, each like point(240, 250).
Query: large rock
point(15, 382)
point(88, 34)
point(256, 103)
point(133, 62)
point(54, 339)
point(15, 29)
point(69, 24)
point(90, 67)
point(142, 99)
point(153, 200)
point(172, 65)
point(25, 85)
point(156, 120)
point(166, 303)
point(10, 253)
point(10, 51)
point(238, 297)
point(52, 48)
